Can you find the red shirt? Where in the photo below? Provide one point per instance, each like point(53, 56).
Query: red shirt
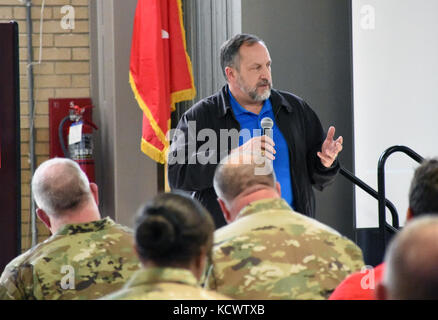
point(359, 285)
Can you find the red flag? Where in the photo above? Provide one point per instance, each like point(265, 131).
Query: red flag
point(160, 70)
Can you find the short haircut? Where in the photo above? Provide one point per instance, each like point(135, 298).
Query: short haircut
point(239, 171)
point(411, 261)
point(229, 52)
point(423, 193)
point(172, 229)
point(59, 185)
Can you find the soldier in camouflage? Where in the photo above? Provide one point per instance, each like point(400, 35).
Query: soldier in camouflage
point(268, 251)
point(173, 236)
point(85, 258)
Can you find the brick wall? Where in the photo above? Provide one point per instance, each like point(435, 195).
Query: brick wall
point(63, 73)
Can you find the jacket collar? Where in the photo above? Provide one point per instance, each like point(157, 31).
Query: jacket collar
point(225, 104)
point(277, 100)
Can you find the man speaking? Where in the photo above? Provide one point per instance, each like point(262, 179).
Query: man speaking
point(301, 153)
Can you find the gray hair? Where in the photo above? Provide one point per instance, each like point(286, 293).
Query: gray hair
point(239, 171)
point(411, 269)
point(58, 185)
point(229, 52)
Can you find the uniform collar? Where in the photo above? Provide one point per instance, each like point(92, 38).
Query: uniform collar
point(98, 225)
point(263, 205)
point(157, 275)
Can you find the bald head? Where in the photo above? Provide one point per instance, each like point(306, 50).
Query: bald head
point(59, 185)
point(411, 270)
point(242, 172)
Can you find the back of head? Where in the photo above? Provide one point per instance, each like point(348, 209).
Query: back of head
point(423, 193)
point(172, 229)
point(229, 52)
point(59, 185)
point(239, 172)
point(411, 270)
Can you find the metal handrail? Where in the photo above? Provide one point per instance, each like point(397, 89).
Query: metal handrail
point(381, 186)
point(365, 187)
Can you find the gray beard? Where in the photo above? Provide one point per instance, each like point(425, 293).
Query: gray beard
point(256, 97)
point(253, 93)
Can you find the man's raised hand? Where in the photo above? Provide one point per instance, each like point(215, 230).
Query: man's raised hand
point(330, 148)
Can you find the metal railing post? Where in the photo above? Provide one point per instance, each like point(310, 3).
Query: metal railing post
point(381, 186)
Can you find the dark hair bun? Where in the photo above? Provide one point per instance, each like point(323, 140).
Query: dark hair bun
point(156, 235)
point(171, 230)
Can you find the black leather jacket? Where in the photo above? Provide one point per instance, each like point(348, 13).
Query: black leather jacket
point(299, 125)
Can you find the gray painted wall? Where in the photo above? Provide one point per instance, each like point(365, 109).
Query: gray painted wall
point(126, 177)
point(310, 45)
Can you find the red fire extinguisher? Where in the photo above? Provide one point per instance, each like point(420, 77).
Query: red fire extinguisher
point(80, 139)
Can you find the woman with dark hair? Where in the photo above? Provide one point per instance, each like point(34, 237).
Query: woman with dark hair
point(173, 237)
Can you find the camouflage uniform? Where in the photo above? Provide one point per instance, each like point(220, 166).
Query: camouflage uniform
point(97, 255)
point(163, 284)
point(271, 252)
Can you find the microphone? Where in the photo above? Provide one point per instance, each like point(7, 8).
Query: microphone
point(267, 124)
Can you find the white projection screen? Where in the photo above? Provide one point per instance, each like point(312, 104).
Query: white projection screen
point(395, 81)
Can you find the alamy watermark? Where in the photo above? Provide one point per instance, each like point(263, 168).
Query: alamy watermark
point(368, 281)
point(207, 147)
point(368, 17)
point(68, 20)
point(68, 281)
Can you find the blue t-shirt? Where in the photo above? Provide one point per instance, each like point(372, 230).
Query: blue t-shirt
point(251, 121)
